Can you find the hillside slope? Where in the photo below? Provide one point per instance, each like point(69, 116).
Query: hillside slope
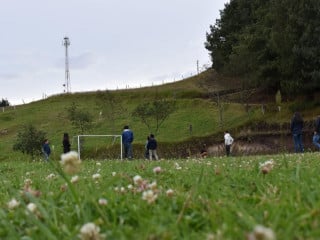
point(199, 118)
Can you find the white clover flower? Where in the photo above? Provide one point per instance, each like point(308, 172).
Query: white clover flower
point(157, 169)
point(90, 231)
point(13, 204)
point(103, 201)
point(170, 192)
point(32, 207)
point(96, 176)
point(153, 186)
point(261, 233)
point(98, 163)
point(113, 174)
point(122, 190)
point(149, 196)
point(70, 162)
point(267, 166)
point(51, 176)
point(178, 166)
point(137, 180)
point(130, 187)
point(27, 182)
point(74, 179)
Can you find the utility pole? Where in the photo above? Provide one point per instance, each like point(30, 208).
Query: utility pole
point(66, 85)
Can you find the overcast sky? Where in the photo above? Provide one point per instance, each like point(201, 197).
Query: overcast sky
point(114, 44)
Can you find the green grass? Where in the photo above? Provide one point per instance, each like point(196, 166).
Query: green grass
point(214, 198)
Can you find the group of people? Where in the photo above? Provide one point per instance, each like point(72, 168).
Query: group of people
point(296, 127)
point(127, 139)
point(65, 144)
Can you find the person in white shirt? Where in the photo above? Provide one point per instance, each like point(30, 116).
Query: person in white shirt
point(228, 140)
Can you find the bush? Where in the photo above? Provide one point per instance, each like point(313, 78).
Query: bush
point(29, 140)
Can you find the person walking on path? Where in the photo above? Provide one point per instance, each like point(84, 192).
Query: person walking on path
point(228, 140)
point(66, 143)
point(152, 146)
point(296, 127)
point(127, 139)
point(46, 149)
point(316, 135)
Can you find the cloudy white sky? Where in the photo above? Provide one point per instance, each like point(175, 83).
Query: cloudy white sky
point(114, 44)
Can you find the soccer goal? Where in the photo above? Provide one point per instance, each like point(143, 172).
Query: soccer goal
point(102, 146)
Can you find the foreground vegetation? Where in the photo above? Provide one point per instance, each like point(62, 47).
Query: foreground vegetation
point(213, 198)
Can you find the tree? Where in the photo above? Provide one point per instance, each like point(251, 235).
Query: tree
point(153, 114)
point(4, 103)
point(80, 119)
point(29, 140)
point(271, 44)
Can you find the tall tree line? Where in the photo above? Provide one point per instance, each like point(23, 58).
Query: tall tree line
point(274, 44)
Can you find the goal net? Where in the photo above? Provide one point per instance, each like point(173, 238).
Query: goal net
point(99, 146)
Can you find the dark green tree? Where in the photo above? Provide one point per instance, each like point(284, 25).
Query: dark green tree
point(29, 140)
point(4, 103)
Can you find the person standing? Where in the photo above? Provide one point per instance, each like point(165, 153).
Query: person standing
point(66, 143)
point(296, 127)
point(316, 135)
point(127, 139)
point(228, 140)
point(46, 149)
point(152, 146)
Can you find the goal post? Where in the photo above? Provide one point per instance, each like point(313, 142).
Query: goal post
point(115, 137)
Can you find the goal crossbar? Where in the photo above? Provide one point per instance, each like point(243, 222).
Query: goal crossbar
point(120, 136)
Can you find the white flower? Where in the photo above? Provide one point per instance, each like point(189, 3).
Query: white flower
point(70, 162)
point(261, 233)
point(267, 166)
point(152, 186)
point(137, 180)
point(90, 231)
point(149, 196)
point(74, 179)
point(51, 176)
point(114, 173)
point(98, 163)
point(170, 192)
point(96, 176)
point(130, 186)
point(13, 204)
point(103, 201)
point(157, 170)
point(32, 207)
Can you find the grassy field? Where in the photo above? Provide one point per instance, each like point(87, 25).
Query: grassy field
point(213, 198)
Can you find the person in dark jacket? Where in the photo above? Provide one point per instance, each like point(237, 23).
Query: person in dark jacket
point(46, 149)
point(296, 127)
point(152, 146)
point(66, 143)
point(316, 135)
point(127, 139)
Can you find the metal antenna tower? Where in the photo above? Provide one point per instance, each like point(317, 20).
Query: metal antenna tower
point(67, 85)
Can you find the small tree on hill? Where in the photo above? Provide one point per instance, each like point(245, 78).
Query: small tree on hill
point(29, 140)
point(153, 114)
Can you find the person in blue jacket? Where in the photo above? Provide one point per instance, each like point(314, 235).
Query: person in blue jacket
point(127, 139)
point(296, 127)
point(46, 149)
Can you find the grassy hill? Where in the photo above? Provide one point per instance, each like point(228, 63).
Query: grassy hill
point(196, 101)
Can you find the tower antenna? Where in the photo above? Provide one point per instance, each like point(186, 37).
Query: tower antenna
point(67, 85)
